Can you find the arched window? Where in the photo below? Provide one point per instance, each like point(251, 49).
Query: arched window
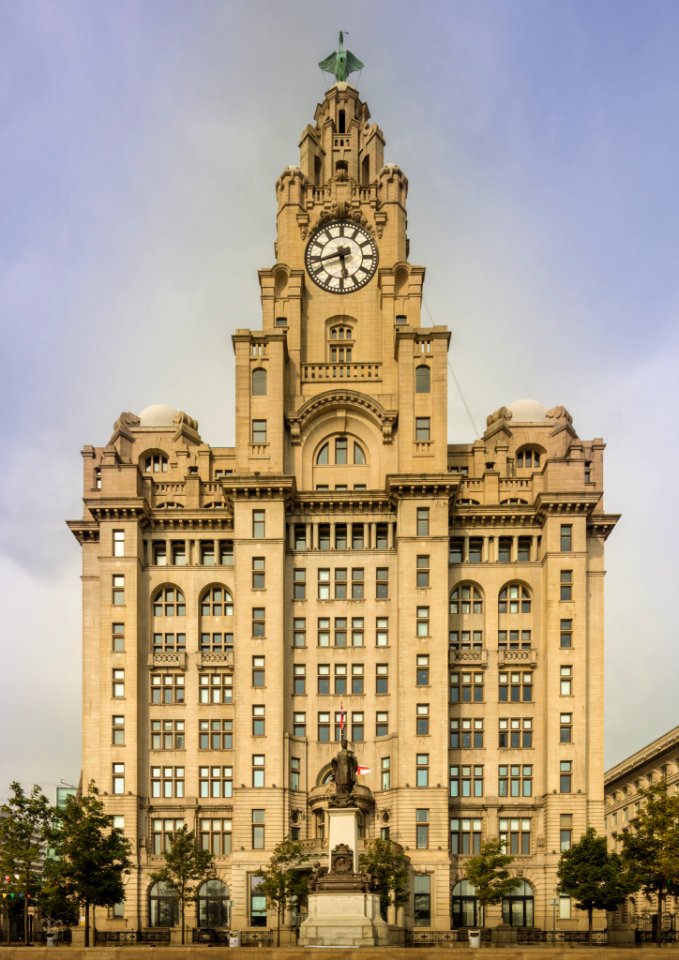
point(216, 602)
point(517, 908)
point(163, 905)
point(528, 457)
point(466, 618)
point(465, 905)
point(155, 463)
point(214, 906)
point(342, 452)
point(514, 598)
point(323, 454)
point(359, 455)
point(259, 382)
point(340, 343)
point(168, 601)
point(422, 379)
point(466, 598)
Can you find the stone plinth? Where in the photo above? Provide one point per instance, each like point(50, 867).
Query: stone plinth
point(348, 919)
point(343, 829)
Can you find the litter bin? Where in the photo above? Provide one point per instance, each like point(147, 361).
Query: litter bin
point(474, 939)
point(234, 939)
point(51, 940)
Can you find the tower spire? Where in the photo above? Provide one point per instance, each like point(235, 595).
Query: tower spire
point(341, 63)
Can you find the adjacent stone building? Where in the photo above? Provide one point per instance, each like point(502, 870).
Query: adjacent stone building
point(343, 560)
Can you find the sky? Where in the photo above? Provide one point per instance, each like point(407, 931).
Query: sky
point(140, 141)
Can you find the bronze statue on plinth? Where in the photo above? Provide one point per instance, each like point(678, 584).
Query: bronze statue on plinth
point(344, 768)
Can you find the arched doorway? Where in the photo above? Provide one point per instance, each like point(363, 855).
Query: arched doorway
point(465, 905)
point(517, 908)
point(163, 905)
point(214, 906)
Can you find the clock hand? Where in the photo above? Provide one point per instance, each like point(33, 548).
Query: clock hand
point(341, 252)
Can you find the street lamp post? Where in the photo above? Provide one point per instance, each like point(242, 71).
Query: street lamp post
point(555, 903)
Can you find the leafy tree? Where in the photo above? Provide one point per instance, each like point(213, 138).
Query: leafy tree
point(283, 882)
point(24, 822)
point(650, 846)
point(389, 870)
point(91, 857)
point(57, 904)
point(488, 873)
point(186, 867)
point(592, 876)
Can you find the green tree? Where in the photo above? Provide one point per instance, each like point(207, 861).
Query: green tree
point(91, 857)
point(283, 881)
point(592, 876)
point(650, 846)
point(389, 870)
point(24, 822)
point(186, 867)
point(488, 873)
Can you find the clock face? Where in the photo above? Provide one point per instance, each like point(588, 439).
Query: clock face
point(341, 256)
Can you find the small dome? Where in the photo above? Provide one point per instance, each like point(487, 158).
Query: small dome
point(158, 415)
point(527, 411)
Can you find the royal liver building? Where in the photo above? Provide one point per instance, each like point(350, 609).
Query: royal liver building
point(345, 564)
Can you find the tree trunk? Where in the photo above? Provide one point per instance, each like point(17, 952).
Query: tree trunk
point(87, 923)
point(658, 931)
point(183, 908)
point(278, 926)
point(27, 939)
point(590, 913)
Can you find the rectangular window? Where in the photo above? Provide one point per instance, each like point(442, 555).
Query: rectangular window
point(323, 678)
point(215, 782)
point(523, 554)
point(258, 573)
point(357, 583)
point(295, 772)
point(340, 678)
point(340, 536)
point(357, 536)
point(465, 835)
point(421, 897)
point(258, 821)
point(215, 835)
point(566, 728)
point(564, 908)
point(299, 584)
point(258, 622)
point(382, 632)
point(118, 543)
point(423, 429)
point(340, 631)
point(515, 732)
point(299, 679)
point(381, 536)
point(515, 835)
point(299, 632)
point(118, 637)
point(257, 899)
point(422, 524)
point(382, 583)
point(381, 678)
point(466, 687)
point(179, 553)
point(566, 776)
point(422, 670)
point(259, 431)
point(357, 631)
point(422, 624)
point(207, 553)
point(381, 723)
point(515, 687)
point(340, 725)
point(258, 770)
point(167, 782)
point(258, 671)
point(324, 631)
point(118, 590)
point(466, 733)
point(466, 639)
point(566, 585)
point(475, 549)
point(466, 780)
point(162, 834)
point(385, 773)
point(515, 780)
point(216, 642)
point(565, 831)
point(259, 524)
point(514, 639)
point(456, 552)
point(323, 536)
point(566, 537)
point(422, 829)
point(357, 677)
point(226, 552)
point(422, 574)
point(215, 688)
point(504, 551)
point(118, 684)
point(422, 720)
point(118, 731)
point(566, 681)
point(215, 734)
point(566, 634)
point(340, 583)
point(299, 724)
point(118, 778)
point(167, 735)
point(324, 584)
point(258, 720)
point(358, 726)
point(299, 536)
point(167, 688)
point(169, 642)
point(323, 729)
point(422, 770)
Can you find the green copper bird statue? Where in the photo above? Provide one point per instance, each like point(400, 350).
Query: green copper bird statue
point(342, 62)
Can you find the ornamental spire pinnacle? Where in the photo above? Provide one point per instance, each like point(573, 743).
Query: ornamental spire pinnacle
point(341, 63)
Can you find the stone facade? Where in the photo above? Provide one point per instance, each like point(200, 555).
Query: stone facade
point(343, 556)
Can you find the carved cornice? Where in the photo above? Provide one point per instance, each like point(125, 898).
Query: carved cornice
point(341, 397)
point(495, 516)
point(113, 509)
point(575, 504)
point(336, 502)
point(85, 531)
point(418, 485)
point(601, 525)
point(652, 753)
